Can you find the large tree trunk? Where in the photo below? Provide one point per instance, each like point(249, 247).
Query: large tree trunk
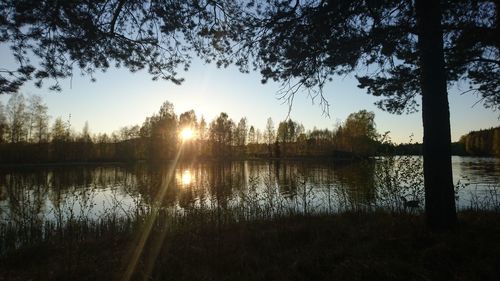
point(438, 180)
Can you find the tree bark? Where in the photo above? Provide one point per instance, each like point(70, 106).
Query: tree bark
point(438, 179)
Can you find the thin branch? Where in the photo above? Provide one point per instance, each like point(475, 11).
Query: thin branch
point(115, 16)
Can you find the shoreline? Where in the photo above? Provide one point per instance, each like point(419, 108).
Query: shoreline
point(203, 159)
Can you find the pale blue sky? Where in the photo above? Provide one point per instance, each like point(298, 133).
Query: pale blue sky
point(120, 98)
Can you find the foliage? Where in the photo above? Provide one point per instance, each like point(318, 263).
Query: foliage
point(93, 35)
point(221, 135)
point(304, 44)
point(17, 118)
point(60, 131)
point(157, 138)
point(187, 119)
point(301, 44)
point(242, 132)
point(482, 143)
point(397, 177)
point(359, 133)
point(38, 120)
point(163, 138)
point(409, 48)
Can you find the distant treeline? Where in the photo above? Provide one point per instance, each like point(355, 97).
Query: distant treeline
point(26, 136)
point(476, 143)
point(481, 143)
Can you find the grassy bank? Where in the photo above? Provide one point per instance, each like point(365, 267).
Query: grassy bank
point(349, 246)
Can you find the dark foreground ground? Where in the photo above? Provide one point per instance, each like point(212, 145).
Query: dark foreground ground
point(335, 247)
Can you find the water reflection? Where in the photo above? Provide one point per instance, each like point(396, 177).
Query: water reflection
point(186, 178)
point(251, 187)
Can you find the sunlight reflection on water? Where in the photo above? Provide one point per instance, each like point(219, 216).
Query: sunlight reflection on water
point(52, 193)
point(187, 177)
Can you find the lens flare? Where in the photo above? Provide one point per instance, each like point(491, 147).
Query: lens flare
point(187, 134)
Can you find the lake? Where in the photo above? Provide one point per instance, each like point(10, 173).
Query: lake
point(254, 188)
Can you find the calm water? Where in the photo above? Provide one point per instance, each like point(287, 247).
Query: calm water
point(57, 193)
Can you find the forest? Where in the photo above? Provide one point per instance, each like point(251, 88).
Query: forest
point(481, 143)
point(27, 136)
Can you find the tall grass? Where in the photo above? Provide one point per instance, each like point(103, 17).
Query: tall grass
point(261, 197)
point(278, 219)
point(79, 230)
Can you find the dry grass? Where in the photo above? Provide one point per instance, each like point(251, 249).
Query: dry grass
point(348, 246)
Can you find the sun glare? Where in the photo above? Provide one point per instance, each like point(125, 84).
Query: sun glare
point(187, 134)
point(186, 178)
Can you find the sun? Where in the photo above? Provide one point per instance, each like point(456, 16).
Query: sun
point(187, 134)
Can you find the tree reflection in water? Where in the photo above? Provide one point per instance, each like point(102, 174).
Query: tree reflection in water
point(252, 188)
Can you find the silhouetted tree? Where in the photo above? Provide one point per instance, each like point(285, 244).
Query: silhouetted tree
point(252, 146)
point(411, 49)
point(60, 137)
point(130, 132)
point(417, 48)
point(202, 129)
point(188, 119)
point(241, 132)
point(320, 142)
point(145, 131)
point(84, 143)
point(38, 119)
point(259, 136)
point(104, 148)
point(287, 133)
point(221, 135)
point(3, 123)
point(92, 35)
point(359, 133)
point(17, 118)
point(269, 135)
point(164, 133)
point(203, 148)
point(251, 135)
point(60, 131)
